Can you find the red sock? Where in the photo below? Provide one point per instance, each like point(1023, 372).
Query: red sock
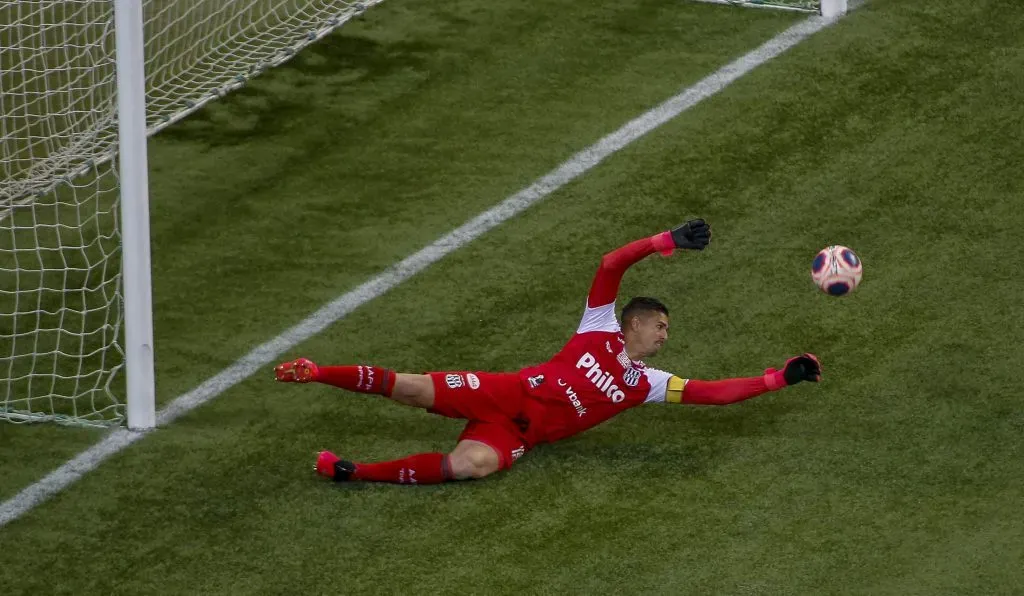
point(364, 379)
point(423, 468)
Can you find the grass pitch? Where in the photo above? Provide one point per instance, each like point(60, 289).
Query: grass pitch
point(895, 133)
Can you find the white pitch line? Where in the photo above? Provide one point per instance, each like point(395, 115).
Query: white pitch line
point(265, 354)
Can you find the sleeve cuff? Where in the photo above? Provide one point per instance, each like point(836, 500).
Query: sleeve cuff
point(774, 379)
point(663, 243)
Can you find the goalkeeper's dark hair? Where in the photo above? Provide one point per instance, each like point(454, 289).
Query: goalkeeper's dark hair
point(642, 305)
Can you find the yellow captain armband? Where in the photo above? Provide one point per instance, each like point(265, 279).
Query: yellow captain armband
point(674, 390)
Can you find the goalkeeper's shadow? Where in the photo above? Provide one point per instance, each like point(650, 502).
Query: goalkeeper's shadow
point(686, 442)
point(750, 419)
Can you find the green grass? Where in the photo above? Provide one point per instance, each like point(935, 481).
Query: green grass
point(895, 133)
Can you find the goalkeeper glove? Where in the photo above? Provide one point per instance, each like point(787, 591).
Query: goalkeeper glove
point(804, 367)
point(692, 235)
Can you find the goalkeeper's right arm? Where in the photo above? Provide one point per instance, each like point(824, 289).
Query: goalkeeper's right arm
point(728, 391)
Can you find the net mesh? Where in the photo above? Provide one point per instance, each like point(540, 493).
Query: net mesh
point(60, 270)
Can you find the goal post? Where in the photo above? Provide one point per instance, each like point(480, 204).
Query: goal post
point(831, 9)
point(135, 246)
point(83, 83)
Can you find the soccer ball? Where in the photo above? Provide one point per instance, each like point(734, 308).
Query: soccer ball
point(836, 270)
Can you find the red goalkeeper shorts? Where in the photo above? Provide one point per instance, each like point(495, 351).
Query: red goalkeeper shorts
point(495, 404)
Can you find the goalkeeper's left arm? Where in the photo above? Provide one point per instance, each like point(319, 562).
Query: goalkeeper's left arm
point(692, 235)
point(728, 391)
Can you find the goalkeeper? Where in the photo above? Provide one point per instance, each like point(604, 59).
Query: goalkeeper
point(598, 374)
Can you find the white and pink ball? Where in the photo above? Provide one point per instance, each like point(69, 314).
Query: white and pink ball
point(837, 270)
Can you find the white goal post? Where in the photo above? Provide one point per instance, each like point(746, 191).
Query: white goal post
point(140, 372)
point(83, 83)
point(831, 9)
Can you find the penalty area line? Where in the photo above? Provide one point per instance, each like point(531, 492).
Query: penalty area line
point(340, 307)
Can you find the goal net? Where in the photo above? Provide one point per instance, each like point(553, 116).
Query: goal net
point(61, 297)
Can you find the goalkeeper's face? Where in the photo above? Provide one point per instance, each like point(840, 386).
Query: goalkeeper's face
point(649, 332)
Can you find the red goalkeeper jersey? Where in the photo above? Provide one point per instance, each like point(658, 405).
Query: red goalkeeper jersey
point(592, 378)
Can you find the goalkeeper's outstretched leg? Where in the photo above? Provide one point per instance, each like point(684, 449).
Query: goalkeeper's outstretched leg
point(469, 460)
point(409, 389)
point(491, 441)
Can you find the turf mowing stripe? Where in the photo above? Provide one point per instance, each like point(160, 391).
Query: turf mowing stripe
point(266, 354)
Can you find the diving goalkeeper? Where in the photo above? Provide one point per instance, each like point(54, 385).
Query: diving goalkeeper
point(598, 374)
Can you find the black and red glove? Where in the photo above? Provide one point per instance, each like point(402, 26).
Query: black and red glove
point(804, 367)
point(692, 235)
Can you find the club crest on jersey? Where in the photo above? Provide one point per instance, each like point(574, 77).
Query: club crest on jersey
point(632, 377)
point(535, 381)
point(453, 381)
